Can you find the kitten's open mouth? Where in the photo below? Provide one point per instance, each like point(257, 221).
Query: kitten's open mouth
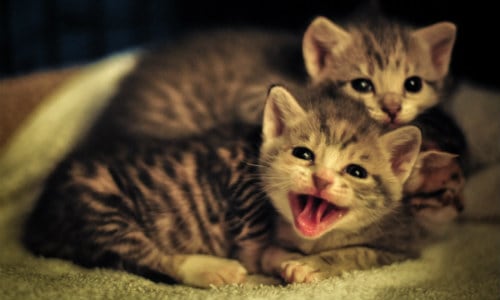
point(313, 215)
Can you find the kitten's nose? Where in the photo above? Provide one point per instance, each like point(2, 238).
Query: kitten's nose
point(322, 180)
point(391, 105)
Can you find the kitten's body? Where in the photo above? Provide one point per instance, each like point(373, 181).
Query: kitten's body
point(165, 210)
point(199, 82)
point(202, 210)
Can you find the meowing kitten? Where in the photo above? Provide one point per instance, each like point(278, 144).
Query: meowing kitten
point(338, 193)
point(164, 208)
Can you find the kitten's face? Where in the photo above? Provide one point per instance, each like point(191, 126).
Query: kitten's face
point(330, 168)
point(395, 71)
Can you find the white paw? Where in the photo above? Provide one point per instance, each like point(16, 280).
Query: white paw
point(205, 271)
point(294, 271)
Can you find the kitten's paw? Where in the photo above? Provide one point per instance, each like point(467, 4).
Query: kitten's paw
point(295, 271)
point(206, 271)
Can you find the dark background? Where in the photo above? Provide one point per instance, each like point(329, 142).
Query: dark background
point(44, 34)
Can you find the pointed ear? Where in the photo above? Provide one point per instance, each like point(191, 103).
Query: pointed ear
point(281, 108)
point(403, 145)
point(321, 40)
point(434, 159)
point(440, 38)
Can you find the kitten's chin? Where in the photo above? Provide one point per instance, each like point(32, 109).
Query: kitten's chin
point(314, 216)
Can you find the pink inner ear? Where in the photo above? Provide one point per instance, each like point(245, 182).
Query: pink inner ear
point(401, 157)
point(278, 121)
point(320, 55)
point(440, 53)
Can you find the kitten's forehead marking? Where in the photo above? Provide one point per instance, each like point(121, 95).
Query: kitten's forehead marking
point(336, 131)
point(385, 47)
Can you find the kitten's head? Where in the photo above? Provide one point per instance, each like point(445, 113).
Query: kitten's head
point(396, 71)
point(327, 164)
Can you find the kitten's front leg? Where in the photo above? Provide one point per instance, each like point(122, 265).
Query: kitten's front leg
point(274, 256)
point(334, 262)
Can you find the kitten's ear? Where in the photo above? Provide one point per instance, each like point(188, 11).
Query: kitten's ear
point(403, 145)
point(440, 38)
point(321, 40)
point(434, 159)
point(281, 109)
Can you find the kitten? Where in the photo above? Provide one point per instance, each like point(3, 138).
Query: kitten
point(338, 192)
point(165, 208)
point(395, 70)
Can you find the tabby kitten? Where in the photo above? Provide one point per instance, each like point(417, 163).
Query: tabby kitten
point(201, 210)
point(396, 71)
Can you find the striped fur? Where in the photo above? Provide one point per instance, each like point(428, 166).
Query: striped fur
point(146, 207)
point(202, 210)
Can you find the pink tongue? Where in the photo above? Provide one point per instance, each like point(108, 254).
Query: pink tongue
point(311, 214)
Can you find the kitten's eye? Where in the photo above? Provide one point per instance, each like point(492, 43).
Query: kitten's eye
point(363, 85)
point(413, 84)
point(356, 171)
point(303, 153)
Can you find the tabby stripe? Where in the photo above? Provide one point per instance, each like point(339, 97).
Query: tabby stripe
point(352, 140)
point(372, 52)
point(115, 172)
point(134, 194)
point(145, 178)
point(255, 233)
point(210, 196)
point(241, 187)
point(202, 229)
point(174, 200)
point(175, 239)
point(260, 217)
point(169, 169)
point(249, 208)
point(381, 187)
point(211, 193)
point(110, 201)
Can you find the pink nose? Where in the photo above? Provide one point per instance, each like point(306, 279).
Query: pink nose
point(391, 105)
point(322, 180)
point(392, 110)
